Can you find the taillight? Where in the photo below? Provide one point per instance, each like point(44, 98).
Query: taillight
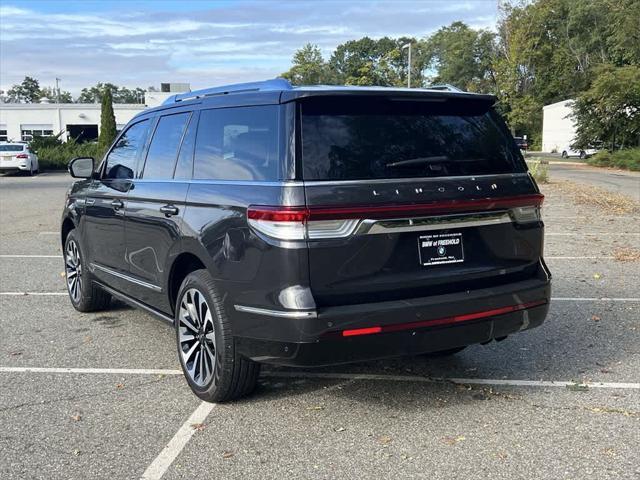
point(315, 223)
point(22, 155)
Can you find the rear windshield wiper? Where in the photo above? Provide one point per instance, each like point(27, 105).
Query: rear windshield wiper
point(418, 161)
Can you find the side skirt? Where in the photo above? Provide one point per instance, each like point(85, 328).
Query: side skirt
point(135, 303)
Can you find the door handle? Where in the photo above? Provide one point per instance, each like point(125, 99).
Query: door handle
point(169, 210)
point(117, 204)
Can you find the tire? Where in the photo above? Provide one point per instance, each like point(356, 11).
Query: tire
point(445, 353)
point(203, 331)
point(583, 155)
point(564, 154)
point(85, 295)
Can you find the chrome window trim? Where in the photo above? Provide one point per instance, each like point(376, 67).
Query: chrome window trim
point(318, 183)
point(277, 313)
point(150, 286)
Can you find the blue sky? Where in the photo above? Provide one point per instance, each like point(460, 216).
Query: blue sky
point(143, 43)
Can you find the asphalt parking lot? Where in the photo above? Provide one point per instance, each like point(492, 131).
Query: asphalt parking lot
point(101, 395)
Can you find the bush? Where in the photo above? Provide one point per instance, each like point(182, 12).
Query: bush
point(539, 170)
point(58, 156)
point(628, 158)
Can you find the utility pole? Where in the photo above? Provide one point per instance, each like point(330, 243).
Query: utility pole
point(58, 90)
point(408, 45)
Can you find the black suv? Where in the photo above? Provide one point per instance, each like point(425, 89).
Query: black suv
point(310, 226)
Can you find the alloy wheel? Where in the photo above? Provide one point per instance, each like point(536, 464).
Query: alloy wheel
point(73, 269)
point(196, 337)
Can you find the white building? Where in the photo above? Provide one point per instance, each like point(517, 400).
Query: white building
point(21, 121)
point(558, 128)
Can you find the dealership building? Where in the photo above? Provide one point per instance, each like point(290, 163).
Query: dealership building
point(22, 121)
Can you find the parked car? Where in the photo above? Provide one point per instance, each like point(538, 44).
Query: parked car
point(16, 157)
point(310, 226)
point(586, 153)
point(521, 142)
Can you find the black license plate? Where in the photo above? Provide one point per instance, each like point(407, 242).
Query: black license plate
point(440, 248)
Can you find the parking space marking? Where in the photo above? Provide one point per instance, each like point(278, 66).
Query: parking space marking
point(578, 258)
point(163, 461)
point(30, 256)
point(339, 376)
point(48, 233)
point(594, 299)
point(28, 294)
point(116, 371)
point(608, 234)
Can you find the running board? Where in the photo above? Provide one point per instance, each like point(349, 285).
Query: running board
point(135, 303)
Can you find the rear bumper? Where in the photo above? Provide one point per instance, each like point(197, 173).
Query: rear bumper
point(412, 326)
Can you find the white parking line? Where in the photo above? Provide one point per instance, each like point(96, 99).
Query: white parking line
point(29, 294)
point(30, 256)
point(163, 461)
point(578, 258)
point(607, 234)
point(594, 299)
point(338, 376)
point(48, 233)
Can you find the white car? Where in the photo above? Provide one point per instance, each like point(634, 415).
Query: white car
point(569, 152)
point(17, 157)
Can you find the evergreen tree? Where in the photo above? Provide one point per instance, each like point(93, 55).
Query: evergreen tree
point(107, 122)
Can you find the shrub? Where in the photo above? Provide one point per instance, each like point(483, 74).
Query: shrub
point(58, 156)
point(628, 158)
point(539, 170)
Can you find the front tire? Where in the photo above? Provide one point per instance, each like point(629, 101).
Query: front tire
point(206, 348)
point(564, 154)
point(85, 296)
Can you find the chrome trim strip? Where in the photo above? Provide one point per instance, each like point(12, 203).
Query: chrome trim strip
point(277, 313)
point(391, 181)
point(373, 227)
point(150, 286)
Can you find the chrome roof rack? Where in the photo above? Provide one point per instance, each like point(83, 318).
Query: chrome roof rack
point(267, 85)
point(444, 86)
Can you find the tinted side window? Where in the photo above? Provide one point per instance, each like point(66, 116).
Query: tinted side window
point(237, 144)
point(121, 162)
point(185, 157)
point(163, 149)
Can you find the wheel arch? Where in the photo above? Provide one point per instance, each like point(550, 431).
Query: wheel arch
point(67, 226)
point(183, 265)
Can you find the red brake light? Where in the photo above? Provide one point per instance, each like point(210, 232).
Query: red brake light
point(22, 155)
point(278, 214)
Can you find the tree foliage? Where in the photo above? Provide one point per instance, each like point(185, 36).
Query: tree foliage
point(26, 92)
point(118, 94)
point(108, 129)
point(609, 110)
point(309, 68)
point(58, 97)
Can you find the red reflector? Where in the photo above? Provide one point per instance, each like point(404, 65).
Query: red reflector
point(278, 214)
point(22, 155)
point(361, 331)
point(443, 321)
point(448, 206)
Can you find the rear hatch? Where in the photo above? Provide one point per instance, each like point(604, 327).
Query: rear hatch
point(411, 197)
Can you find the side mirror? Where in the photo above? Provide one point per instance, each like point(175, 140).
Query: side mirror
point(82, 167)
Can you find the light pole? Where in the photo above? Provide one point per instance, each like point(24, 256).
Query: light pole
point(408, 45)
point(58, 90)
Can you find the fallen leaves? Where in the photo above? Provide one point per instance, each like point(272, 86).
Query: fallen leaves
point(620, 411)
point(228, 454)
point(612, 203)
point(339, 429)
point(198, 427)
point(578, 387)
point(76, 418)
point(119, 386)
point(384, 440)
point(453, 440)
point(595, 318)
point(626, 254)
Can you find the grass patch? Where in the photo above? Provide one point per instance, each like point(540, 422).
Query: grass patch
point(539, 169)
point(628, 159)
point(609, 202)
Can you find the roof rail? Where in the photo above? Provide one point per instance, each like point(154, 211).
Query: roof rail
point(266, 85)
point(444, 86)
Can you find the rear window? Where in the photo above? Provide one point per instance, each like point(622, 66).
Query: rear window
point(372, 138)
point(11, 148)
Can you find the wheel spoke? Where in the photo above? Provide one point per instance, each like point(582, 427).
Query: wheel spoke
point(184, 319)
point(189, 353)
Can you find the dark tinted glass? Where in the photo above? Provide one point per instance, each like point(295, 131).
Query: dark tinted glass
point(371, 138)
point(11, 148)
point(185, 157)
point(163, 149)
point(121, 162)
point(237, 144)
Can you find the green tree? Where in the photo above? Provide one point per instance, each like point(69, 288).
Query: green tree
point(118, 94)
point(462, 56)
point(54, 96)
point(26, 92)
point(609, 110)
point(107, 122)
point(309, 68)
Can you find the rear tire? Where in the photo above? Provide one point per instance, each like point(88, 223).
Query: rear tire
point(564, 154)
point(85, 295)
point(213, 369)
